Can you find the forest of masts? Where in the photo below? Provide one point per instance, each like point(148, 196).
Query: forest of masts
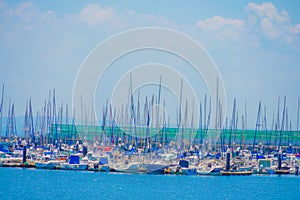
point(139, 121)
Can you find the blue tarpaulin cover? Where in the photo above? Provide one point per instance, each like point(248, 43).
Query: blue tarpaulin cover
point(74, 159)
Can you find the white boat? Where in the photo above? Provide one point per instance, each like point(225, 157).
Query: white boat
point(68, 166)
point(155, 168)
point(205, 171)
point(99, 164)
point(265, 166)
point(47, 163)
point(134, 167)
point(209, 168)
point(185, 168)
point(74, 164)
point(16, 160)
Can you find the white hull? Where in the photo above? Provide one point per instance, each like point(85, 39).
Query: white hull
point(67, 166)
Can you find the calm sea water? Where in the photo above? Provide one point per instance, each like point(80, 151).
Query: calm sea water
point(19, 183)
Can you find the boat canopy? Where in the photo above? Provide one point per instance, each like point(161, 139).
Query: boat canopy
point(184, 163)
point(103, 161)
point(74, 159)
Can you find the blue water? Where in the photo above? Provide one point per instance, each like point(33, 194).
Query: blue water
point(19, 183)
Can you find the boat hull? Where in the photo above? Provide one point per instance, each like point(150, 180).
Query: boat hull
point(236, 173)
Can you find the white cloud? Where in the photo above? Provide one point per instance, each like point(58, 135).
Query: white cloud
point(263, 21)
point(269, 29)
point(222, 27)
point(25, 11)
point(94, 14)
point(273, 23)
point(218, 22)
point(267, 10)
point(154, 20)
point(295, 29)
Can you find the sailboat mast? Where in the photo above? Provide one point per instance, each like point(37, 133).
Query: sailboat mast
point(287, 125)
point(1, 109)
point(164, 125)
point(200, 125)
point(298, 112)
point(232, 122)
point(158, 112)
point(13, 121)
point(235, 125)
point(207, 125)
point(184, 125)
point(43, 124)
point(277, 124)
point(8, 125)
point(217, 106)
point(192, 125)
point(265, 124)
point(283, 120)
point(138, 118)
point(31, 121)
point(272, 128)
point(180, 105)
point(257, 125)
point(204, 115)
point(246, 115)
point(243, 129)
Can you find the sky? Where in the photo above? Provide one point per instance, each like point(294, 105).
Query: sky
point(254, 44)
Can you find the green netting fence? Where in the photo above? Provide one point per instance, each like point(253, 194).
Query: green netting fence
point(67, 132)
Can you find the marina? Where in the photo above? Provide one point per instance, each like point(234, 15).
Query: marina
point(135, 100)
point(145, 147)
point(122, 159)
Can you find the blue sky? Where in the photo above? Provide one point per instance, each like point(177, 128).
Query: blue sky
point(255, 44)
